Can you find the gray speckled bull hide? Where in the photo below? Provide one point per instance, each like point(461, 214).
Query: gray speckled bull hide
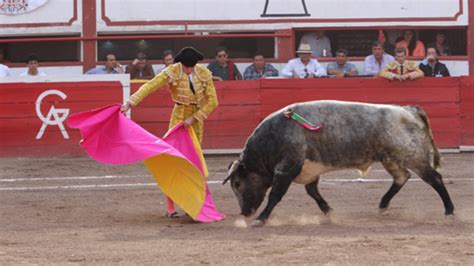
point(354, 135)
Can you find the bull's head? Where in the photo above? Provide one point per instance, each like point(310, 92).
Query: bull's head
point(248, 187)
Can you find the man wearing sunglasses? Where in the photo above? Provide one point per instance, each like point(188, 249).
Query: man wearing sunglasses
point(223, 68)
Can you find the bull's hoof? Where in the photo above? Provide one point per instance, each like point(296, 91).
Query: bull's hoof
point(327, 218)
point(328, 213)
point(257, 223)
point(451, 219)
point(383, 211)
point(448, 213)
point(240, 223)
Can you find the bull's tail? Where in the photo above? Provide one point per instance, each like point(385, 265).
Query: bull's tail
point(424, 118)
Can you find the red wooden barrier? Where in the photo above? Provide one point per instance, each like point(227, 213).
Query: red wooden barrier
point(22, 130)
point(449, 103)
point(467, 111)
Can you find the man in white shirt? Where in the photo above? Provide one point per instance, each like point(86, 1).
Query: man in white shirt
point(4, 70)
point(32, 63)
point(304, 66)
point(378, 60)
point(319, 43)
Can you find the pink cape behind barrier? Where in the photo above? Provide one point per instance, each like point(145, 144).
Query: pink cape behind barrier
point(176, 161)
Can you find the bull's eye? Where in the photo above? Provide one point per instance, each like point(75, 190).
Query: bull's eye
point(237, 184)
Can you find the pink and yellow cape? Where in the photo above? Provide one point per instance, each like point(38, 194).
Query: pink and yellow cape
point(176, 161)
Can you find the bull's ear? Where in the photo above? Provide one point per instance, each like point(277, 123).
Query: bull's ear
point(232, 169)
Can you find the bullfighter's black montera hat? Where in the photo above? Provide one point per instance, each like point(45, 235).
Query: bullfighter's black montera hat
point(188, 56)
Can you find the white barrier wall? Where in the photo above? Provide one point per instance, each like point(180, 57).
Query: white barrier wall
point(172, 15)
point(65, 16)
point(53, 17)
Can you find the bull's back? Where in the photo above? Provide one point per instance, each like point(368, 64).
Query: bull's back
point(355, 133)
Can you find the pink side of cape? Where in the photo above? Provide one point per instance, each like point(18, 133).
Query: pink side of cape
point(110, 137)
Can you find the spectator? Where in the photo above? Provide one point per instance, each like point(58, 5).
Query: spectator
point(259, 69)
point(411, 44)
point(440, 44)
point(320, 44)
point(341, 68)
point(304, 66)
point(378, 60)
point(223, 68)
point(431, 67)
point(32, 63)
point(401, 68)
point(140, 68)
point(4, 70)
point(168, 59)
point(111, 66)
point(383, 38)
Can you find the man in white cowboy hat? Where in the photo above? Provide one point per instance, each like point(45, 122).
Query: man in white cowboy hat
point(304, 66)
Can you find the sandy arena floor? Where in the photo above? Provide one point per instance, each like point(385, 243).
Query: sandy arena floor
point(74, 210)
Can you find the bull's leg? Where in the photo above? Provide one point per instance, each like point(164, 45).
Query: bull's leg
point(281, 182)
point(432, 177)
point(279, 188)
point(312, 190)
point(400, 177)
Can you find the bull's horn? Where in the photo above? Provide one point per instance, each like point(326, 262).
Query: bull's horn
point(232, 168)
point(227, 179)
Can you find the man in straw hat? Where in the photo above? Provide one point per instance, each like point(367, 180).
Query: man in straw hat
point(304, 66)
point(192, 90)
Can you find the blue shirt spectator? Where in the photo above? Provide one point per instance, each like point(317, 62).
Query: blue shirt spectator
point(111, 66)
point(259, 69)
point(347, 67)
point(341, 68)
point(101, 70)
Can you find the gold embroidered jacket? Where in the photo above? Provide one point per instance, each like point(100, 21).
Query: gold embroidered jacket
point(178, 82)
point(409, 67)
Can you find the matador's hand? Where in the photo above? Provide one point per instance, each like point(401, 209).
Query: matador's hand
point(125, 107)
point(189, 121)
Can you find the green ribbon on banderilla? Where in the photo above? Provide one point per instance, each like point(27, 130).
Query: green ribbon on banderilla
point(290, 114)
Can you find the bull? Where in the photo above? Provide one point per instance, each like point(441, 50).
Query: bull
point(353, 136)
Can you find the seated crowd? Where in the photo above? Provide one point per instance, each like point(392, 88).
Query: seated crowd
point(305, 65)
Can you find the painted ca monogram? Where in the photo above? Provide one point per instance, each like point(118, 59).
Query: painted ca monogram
point(55, 117)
